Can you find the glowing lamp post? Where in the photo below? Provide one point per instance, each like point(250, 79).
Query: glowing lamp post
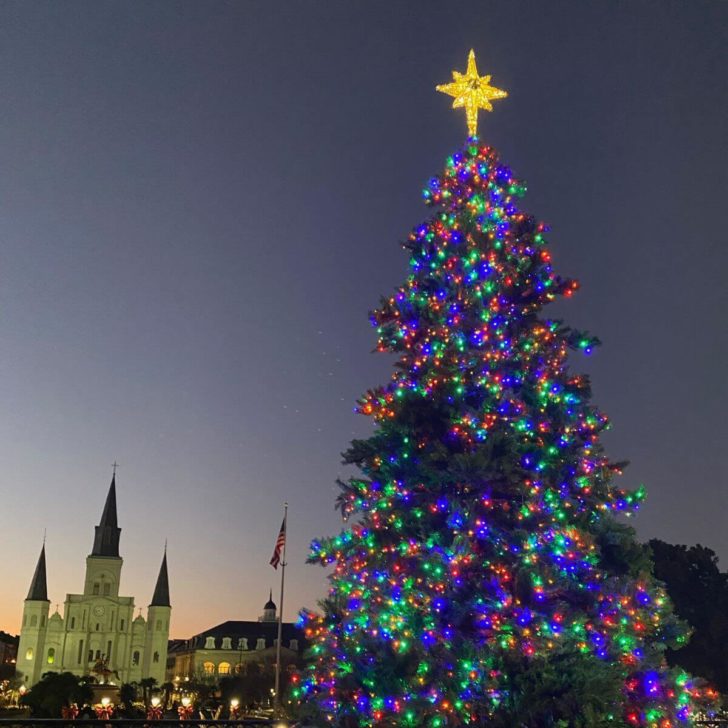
point(185, 710)
point(155, 709)
point(104, 709)
point(234, 709)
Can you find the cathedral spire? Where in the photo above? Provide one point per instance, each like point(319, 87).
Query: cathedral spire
point(161, 590)
point(38, 591)
point(106, 538)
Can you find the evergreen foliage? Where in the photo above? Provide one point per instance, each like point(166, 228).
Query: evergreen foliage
point(484, 578)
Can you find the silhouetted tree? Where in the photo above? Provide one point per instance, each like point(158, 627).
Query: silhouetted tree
point(55, 690)
point(699, 591)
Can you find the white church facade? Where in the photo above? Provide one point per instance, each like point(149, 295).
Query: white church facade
point(98, 624)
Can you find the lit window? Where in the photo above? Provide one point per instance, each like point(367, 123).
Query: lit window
point(209, 668)
point(135, 658)
point(51, 655)
point(29, 653)
point(223, 668)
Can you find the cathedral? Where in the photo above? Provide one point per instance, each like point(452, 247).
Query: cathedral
point(98, 625)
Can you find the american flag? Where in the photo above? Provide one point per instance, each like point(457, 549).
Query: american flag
point(280, 543)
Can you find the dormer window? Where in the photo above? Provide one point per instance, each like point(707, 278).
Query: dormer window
point(209, 643)
point(227, 643)
point(260, 644)
point(243, 643)
point(293, 644)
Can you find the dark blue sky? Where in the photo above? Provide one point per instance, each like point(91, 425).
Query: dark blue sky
point(200, 201)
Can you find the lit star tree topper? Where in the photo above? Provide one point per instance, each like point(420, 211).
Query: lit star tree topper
point(471, 92)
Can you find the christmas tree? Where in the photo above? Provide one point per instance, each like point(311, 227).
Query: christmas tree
point(485, 578)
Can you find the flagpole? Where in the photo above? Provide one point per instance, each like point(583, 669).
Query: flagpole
point(276, 696)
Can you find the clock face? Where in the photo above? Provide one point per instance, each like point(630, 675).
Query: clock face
point(99, 611)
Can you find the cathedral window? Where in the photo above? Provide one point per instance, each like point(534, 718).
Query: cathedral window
point(227, 643)
point(155, 658)
point(96, 588)
point(223, 668)
point(107, 589)
point(90, 655)
point(108, 650)
point(209, 668)
point(135, 658)
point(80, 652)
point(98, 627)
point(51, 655)
point(29, 653)
point(73, 623)
point(98, 654)
point(34, 620)
point(121, 625)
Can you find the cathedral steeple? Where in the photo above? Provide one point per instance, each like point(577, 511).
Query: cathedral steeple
point(106, 539)
point(38, 591)
point(161, 590)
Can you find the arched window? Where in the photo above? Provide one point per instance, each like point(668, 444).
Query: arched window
point(51, 655)
point(223, 668)
point(209, 668)
point(155, 658)
point(34, 620)
point(135, 658)
point(107, 589)
point(29, 653)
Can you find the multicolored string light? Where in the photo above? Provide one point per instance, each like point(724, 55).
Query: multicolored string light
point(482, 522)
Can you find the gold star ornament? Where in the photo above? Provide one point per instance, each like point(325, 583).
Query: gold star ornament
point(471, 92)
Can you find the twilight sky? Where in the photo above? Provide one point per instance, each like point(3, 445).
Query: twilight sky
point(200, 201)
